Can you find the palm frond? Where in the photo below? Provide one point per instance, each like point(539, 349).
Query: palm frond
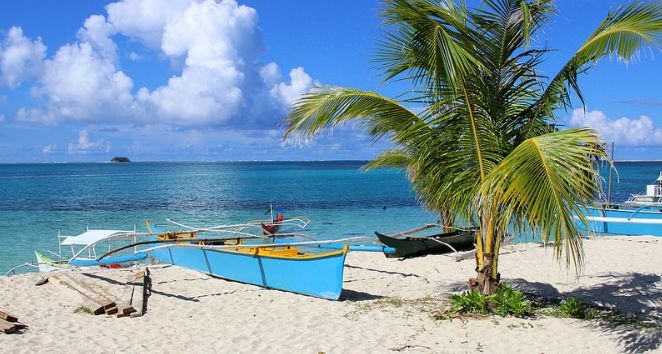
point(333, 106)
point(394, 158)
point(543, 183)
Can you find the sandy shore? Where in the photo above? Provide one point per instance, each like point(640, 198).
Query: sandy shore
point(386, 306)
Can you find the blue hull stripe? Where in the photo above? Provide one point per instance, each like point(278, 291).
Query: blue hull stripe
point(106, 261)
point(623, 228)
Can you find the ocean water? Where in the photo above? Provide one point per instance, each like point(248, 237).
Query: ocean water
point(37, 200)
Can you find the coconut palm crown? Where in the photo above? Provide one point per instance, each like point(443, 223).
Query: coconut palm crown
point(485, 147)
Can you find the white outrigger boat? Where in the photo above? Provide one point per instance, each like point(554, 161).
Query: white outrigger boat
point(84, 248)
point(640, 215)
point(652, 198)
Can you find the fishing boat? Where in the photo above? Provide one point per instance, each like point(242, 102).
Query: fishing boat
point(408, 245)
point(273, 227)
point(652, 197)
point(273, 266)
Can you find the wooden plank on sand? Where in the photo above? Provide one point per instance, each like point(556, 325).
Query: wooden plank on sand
point(124, 306)
point(7, 327)
point(105, 301)
point(92, 302)
point(8, 316)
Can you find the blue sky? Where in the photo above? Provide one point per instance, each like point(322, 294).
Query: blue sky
point(191, 80)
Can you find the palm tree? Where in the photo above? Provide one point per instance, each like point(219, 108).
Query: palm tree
point(485, 147)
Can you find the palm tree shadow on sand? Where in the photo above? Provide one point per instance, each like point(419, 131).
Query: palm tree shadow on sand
point(636, 295)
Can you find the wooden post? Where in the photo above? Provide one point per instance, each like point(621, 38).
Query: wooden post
point(139, 293)
point(610, 172)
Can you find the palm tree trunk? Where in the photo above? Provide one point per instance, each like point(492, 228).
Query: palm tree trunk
point(487, 256)
point(447, 220)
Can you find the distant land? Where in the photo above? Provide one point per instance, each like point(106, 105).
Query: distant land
point(120, 159)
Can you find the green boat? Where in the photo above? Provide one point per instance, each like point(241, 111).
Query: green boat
point(408, 246)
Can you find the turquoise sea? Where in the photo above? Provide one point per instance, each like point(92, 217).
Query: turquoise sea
point(37, 200)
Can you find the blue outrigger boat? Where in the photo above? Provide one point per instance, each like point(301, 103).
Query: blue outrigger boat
point(282, 266)
point(624, 220)
point(640, 215)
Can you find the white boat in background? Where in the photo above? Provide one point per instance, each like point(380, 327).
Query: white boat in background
point(653, 196)
point(640, 215)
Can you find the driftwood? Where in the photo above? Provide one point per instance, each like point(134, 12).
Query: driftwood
point(9, 323)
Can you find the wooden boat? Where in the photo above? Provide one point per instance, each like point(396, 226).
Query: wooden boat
point(408, 246)
point(273, 227)
point(282, 266)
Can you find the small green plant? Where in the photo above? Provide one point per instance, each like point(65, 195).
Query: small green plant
point(575, 308)
point(505, 302)
point(470, 302)
point(510, 302)
point(82, 309)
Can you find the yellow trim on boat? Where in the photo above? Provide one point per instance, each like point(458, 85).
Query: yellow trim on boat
point(282, 252)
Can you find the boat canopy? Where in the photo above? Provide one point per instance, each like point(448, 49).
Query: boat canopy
point(91, 236)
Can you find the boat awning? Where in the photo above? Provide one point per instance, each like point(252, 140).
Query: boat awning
point(91, 236)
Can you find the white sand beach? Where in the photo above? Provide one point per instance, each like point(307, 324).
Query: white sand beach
point(386, 306)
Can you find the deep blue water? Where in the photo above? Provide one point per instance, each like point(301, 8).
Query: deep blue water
point(36, 200)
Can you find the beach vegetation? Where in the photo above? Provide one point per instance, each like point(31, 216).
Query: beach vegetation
point(82, 309)
point(506, 301)
point(576, 308)
point(477, 129)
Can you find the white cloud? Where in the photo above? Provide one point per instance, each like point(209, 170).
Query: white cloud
point(222, 81)
point(81, 85)
point(218, 40)
point(144, 19)
point(49, 148)
point(84, 144)
point(20, 57)
point(300, 83)
point(622, 131)
point(97, 32)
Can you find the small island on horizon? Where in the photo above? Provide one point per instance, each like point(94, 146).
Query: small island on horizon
point(120, 159)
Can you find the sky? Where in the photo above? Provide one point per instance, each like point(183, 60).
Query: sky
point(183, 80)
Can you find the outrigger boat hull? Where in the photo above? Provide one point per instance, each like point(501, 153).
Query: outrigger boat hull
point(629, 221)
point(408, 247)
point(47, 264)
point(318, 275)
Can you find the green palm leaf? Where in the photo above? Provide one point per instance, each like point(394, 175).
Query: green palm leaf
point(545, 181)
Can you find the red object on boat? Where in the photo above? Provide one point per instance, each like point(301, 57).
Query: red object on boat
point(112, 266)
point(270, 229)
